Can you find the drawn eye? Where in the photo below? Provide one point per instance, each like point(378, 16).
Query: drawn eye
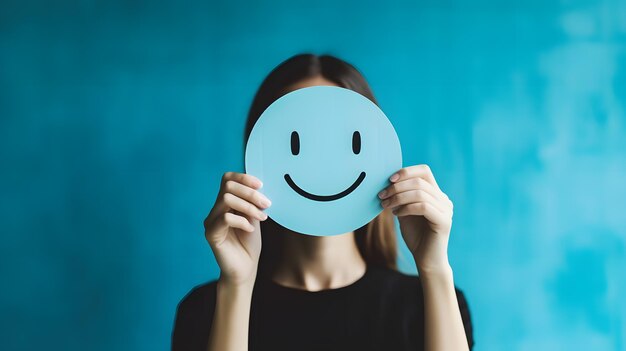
point(356, 142)
point(295, 143)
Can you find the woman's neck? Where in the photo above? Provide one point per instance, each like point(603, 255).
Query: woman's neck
point(316, 263)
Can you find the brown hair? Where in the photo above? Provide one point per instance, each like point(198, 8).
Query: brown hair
point(376, 240)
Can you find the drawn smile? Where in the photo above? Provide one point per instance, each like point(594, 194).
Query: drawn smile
point(315, 197)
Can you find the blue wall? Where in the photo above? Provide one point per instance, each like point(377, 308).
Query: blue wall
point(118, 118)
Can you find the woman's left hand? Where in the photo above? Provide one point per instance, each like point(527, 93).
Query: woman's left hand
point(424, 213)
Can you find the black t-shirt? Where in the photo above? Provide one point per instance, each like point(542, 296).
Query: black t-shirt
point(383, 310)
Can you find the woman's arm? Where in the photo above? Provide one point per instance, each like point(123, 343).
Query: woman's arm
point(233, 230)
point(425, 216)
point(229, 329)
point(443, 328)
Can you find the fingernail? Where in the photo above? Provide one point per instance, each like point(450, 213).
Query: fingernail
point(394, 177)
point(385, 203)
point(382, 194)
point(266, 203)
point(263, 216)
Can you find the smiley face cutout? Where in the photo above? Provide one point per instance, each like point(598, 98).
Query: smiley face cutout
point(323, 153)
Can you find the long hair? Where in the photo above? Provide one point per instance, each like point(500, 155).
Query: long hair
point(376, 240)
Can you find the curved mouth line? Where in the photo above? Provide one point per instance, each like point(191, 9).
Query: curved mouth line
point(315, 197)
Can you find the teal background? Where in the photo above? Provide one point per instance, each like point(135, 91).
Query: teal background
point(118, 118)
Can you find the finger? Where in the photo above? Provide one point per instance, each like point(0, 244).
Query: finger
point(411, 196)
point(236, 221)
point(247, 193)
point(415, 171)
point(411, 184)
point(420, 209)
point(240, 205)
point(243, 178)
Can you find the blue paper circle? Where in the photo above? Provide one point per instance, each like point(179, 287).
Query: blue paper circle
point(323, 153)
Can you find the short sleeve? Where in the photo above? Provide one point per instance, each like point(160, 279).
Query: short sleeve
point(465, 315)
point(194, 316)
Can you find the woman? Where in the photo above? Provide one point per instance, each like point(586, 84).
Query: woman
point(325, 293)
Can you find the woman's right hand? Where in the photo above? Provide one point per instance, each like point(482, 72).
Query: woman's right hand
point(233, 230)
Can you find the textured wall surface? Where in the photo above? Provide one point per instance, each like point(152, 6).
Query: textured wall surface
point(117, 119)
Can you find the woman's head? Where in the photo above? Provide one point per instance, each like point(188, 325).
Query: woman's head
point(376, 240)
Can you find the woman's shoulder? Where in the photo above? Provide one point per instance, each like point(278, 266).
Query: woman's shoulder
point(402, 289)
point(201, 297)
point(198, 303)
point(194, 314)
point(402, 282)
point(394, 279)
